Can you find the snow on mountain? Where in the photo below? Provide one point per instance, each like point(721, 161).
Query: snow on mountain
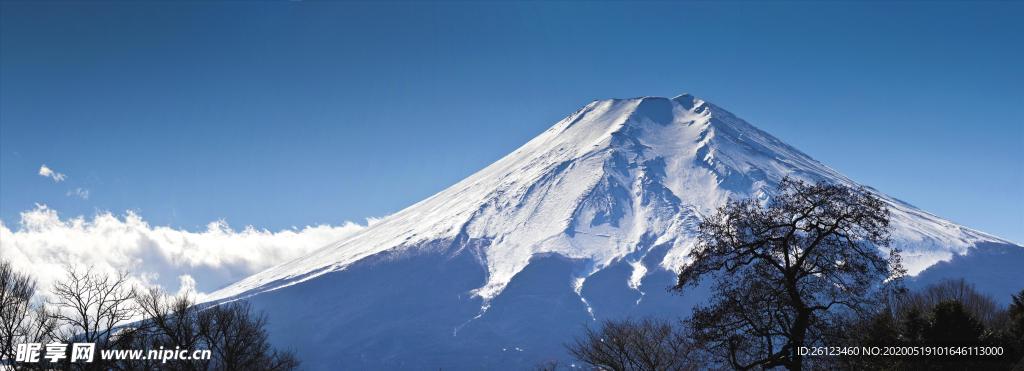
point(597, 182)
point(615, 188)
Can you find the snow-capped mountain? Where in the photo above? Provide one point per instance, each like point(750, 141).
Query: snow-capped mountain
point(588, 220)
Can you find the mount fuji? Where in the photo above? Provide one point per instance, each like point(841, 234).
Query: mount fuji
point(590, 220)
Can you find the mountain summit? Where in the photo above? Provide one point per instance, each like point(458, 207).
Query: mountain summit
point(589, 220)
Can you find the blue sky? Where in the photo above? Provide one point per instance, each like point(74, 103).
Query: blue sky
point(280, 114)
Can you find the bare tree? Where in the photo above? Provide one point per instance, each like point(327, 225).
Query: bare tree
point(21, 320)
point(107, 310)
point(91, 305)
point(234, 335)
point(173, 318)
point(646, 344)
point(16, 291)
point(547, 365)
point(170, 323)
point(238, 339)
point(784, 273)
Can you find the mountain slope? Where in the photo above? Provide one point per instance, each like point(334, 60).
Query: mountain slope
point(587, 220)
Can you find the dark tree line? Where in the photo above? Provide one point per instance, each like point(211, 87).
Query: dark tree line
point(948, 313)
point(107, 310)
point(811, 268)
point(646, 344)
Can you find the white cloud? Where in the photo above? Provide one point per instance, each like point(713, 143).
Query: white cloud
point(173, 259)
point(47, 172)
point(79, 192)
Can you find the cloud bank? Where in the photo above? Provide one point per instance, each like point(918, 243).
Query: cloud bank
point(171, 258)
